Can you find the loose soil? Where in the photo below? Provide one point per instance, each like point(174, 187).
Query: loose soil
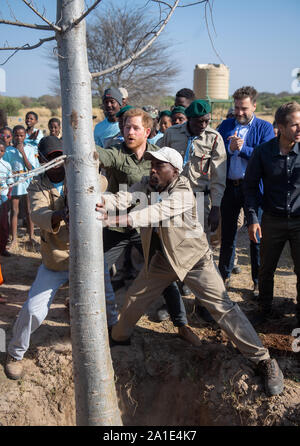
point(160, 379)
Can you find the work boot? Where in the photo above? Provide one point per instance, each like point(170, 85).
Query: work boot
point(13, 368)
point(273, 377)
point(185, 332)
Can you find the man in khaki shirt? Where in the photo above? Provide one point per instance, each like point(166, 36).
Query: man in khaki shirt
point(175, 247)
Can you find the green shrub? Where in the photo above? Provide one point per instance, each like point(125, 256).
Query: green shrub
point(10, 105)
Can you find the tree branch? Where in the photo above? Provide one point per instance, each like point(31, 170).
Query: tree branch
point(52, 25)
point(26, 25)
point(76, 21)
point(27, 46)
point(141, 51)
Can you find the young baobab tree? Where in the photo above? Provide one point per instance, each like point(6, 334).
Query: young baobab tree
point(96, 400)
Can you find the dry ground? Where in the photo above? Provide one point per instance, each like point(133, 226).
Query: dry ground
point(160, 379)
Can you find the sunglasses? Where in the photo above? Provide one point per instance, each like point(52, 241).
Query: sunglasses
point(5, 136)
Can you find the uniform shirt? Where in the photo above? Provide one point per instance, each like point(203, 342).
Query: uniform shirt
point(5, 173)
point(15, 159)
point(204, 157)
point(105, 129)
point(123, 167)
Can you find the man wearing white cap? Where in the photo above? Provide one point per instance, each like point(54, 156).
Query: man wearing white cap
point(175, 247)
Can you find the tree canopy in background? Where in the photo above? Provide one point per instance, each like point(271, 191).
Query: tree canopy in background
point(116, 33)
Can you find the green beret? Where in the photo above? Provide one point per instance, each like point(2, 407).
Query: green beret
point(164, 113)
point(123, 110)
point(197, 108)
point(178, 109)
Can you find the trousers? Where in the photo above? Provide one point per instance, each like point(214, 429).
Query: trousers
point(40, 298)
point(115, 243)
point(206, 283)
point(232, 203)
point(276, 231)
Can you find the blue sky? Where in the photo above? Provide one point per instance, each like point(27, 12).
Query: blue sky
point(258, 40)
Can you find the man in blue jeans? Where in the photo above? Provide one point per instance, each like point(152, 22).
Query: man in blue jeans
point(241, 135)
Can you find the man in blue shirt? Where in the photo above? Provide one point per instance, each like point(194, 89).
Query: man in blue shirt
point(109, 127)
point(241, 135)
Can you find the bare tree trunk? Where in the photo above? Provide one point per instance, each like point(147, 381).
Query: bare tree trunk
point(96, 400)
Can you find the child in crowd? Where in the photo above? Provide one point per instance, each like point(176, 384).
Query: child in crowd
point(33, 135)
point(22, 159)
point(6, 135)
point(54, 127)
point(164, 120)
point(5, 180)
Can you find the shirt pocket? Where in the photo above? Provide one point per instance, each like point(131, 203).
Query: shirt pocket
point(200, 161)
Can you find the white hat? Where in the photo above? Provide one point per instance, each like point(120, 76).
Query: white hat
point(167, 155)
point(123, 92)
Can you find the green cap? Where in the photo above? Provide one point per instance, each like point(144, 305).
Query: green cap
point(179, 109)
point(164, 113)
point(123, 110)
point(197, 108)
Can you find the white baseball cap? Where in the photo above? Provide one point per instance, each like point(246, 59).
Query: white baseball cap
point(167, 155)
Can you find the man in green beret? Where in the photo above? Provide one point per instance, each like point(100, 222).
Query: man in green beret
point(178, 115)
point(204, 158)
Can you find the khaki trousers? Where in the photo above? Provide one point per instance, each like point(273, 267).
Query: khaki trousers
point(206, 283)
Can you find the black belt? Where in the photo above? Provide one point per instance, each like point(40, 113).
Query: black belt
point(235, 182)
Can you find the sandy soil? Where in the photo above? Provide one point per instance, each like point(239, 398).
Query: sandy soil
point(160, 379)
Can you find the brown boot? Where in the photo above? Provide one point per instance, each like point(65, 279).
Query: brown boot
point(186, 333)
point(13, 368)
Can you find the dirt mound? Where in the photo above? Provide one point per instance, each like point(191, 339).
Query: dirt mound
point(160, 379)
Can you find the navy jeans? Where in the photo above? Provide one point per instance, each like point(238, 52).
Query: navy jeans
point(232, 202)
point(115, 242)
point(276, 232)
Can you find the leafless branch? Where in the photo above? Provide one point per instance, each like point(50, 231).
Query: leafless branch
point(27, 46)
point(76, 21)
point(41, 16)
point(142, 50)
point(195, 3)
point(26, 25)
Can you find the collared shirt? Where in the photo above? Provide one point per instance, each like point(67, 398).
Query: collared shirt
point(123, 167)
point(105, 129)
point(238, 164)
point(281, 180)
point(204, 158)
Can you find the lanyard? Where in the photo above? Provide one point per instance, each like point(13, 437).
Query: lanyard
point(190, 145)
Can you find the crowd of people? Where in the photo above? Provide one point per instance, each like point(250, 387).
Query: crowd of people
point(192, 176)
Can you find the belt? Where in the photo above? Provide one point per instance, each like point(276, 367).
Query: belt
point(19, 171)
point(237, 182)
